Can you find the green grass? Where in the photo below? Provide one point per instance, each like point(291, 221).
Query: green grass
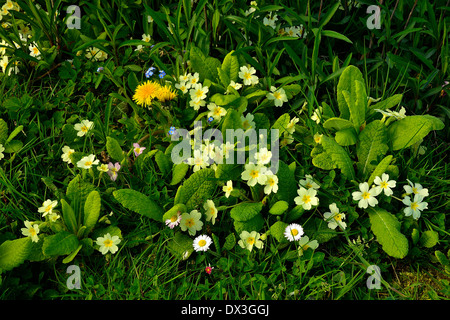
point(397, 59)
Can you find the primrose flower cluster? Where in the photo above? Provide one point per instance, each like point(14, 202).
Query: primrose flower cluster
point(413, 198)
point(105, 243)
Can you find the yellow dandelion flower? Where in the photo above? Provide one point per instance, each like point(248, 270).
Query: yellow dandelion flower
point(166, 93)
point(145, 93)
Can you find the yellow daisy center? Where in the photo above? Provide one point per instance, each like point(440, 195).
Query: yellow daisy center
point(366, 195)
point(173, 218)
point(254, 173)
point(306, 198)
point(294, 232)
point(108, 243)
point(189, 223)
point(202, 243)
point(250, 240)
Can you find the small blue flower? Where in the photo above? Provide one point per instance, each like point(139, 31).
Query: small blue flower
point(162, 74)
point(210, 119)
point(171, 130)
point(100, 69)
point(149, 72)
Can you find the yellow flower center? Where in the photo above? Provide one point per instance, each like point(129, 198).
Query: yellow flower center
point(108, 243)
point(250, 240)
point(294, 232)
point(84, 129)
point(217, 111)
point(212, 211)
point(247, 75)
point(271, 182)
point(414, 190)
point(277, 95)
point(199, 93)
point(308, 185)
point(306, 198)
point(202, 243)
point(32, 231)
point(383, 184)
point(366, 195)
point(48, 208)
point(254, 174)
point(88, 163)
point(414, 205)
point(174, 218)
point(338, 217)
point(189, 223)
point(35, 50)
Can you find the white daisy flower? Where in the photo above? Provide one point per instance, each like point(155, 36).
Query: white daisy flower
point(293, 232)
point(173, 221)
point(202, 243)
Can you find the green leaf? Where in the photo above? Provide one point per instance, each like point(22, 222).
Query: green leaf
point(372, 144)
point(69, 217)
point(321, 159)
point(337, 124)
point(71, 256)
point(61, 243)
point(336, 35)
point(227, 172)
point(13, 146)
point(386, 104)
point(346, 137)
point(287, 185)
point(254, 224)
point(281, 123)
point(230, 66)
point(406, 132)
point(92, 208)
point(179, 172)
point(294, 214)
point(163, 162)
point(380, 169)
point(246, 211)
point(277, 231)
point(14, 252)
point(114, 150)
point(386, 228)
point(196, 189)
point(139, 203)
point(205, 66)
point(3, 131)
point(232, 120)
point(78, 190)
point(279, 207)
point(339, 156)
point(429, 238)
point(351, 81)
point(230, 242)
point(181, 246)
